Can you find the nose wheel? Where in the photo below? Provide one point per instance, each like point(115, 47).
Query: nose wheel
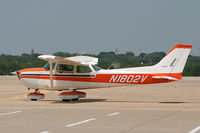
point(34, 96)
point(73, 95)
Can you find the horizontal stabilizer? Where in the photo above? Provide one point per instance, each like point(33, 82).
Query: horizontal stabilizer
point(14, 73)
point(164, 77)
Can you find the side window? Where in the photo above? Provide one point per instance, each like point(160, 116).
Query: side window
point(83, 69)
point(96, 68)
point(63, 68)
point(47, 66)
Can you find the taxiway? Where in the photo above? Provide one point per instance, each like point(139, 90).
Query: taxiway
point(159, 108)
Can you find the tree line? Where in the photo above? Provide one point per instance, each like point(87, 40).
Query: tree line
point(10, 63)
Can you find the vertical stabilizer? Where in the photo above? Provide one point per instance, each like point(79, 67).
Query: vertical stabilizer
point(175, 60)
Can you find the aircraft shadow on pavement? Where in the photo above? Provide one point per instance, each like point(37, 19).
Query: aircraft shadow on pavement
point(163, 102)
point(89, 100)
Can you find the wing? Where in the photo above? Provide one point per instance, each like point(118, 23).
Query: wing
point(84, 59)
point(76, 60)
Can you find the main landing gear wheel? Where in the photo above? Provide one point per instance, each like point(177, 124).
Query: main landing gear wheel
point(74, 95)
point(65, 100)
point(76, 99)
point(34, 96)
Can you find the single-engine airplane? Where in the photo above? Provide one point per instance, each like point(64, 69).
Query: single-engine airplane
point(81, 72)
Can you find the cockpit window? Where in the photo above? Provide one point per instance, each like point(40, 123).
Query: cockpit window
point(96, 68)
point(64, 68)
point(47, 66)
point(83, 69)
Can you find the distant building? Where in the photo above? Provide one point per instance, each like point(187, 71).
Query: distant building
point(32, 51)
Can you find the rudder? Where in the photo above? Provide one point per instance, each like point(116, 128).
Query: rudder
point(175, 60)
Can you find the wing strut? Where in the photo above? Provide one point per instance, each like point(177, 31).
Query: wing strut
point(51, 72)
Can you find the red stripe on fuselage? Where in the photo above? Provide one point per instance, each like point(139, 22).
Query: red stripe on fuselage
point(114, 78)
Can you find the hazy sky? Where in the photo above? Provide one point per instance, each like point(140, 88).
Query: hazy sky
point(92, 26)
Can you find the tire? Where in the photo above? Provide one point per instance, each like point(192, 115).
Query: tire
point(76, 99)
point(65, 100)
point(33, 99)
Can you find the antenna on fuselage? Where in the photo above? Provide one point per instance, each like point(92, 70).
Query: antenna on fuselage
point(111, 64)
point(116, 52)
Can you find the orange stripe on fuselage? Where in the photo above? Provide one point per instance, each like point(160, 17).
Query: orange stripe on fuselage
point(115, 78)
point(31, 70)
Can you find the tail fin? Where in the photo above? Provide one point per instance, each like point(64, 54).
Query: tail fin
point(175, 60)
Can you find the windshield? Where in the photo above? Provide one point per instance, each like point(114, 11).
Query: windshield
point(47, 66)
point(96, 68)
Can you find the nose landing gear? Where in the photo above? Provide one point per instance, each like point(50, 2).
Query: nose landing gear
point(34, 96)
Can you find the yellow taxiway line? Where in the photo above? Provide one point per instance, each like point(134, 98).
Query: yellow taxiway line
point(22, 96)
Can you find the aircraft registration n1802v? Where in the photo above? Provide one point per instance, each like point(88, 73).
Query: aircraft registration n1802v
point(81, 72)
